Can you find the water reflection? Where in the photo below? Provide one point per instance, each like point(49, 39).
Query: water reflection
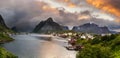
point(26, 46)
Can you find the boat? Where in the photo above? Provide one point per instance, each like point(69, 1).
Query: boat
point(76, 48)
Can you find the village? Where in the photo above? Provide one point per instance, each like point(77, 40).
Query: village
point(73, 37)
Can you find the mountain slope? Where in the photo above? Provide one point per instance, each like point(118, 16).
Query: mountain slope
point(91, 28)
point(49, 26)
point(4, 37)
point(3, 27)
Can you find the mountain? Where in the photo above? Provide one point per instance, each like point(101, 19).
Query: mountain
point(65, 27)
point(49, 26)
point(3, 26)
point(4, 37)
point(91, 28)
point(2, 23)
point(15, 29)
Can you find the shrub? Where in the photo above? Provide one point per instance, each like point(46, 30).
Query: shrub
point(95, 51)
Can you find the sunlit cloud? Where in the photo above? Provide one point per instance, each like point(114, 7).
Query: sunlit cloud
point(64, 12)
point(110, 6)
point(84, 17)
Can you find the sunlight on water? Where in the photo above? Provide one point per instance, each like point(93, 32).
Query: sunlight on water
point(52, 50)
point(28, 46)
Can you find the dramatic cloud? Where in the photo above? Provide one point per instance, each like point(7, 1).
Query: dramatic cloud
point(26, 14)
point(111, 6)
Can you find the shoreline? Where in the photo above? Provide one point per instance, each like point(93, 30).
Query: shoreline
point(4, 53)
point(6, 41)
point(37, 47)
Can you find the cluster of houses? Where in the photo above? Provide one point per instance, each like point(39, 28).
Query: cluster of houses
point(72, 38)
point(78, 36)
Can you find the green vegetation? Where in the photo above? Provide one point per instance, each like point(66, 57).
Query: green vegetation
point(95, 51)
point(6, 54)
point(100, 47)
point(5, 38)
point(4, 29)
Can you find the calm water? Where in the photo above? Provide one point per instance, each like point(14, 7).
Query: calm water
point(29, 46)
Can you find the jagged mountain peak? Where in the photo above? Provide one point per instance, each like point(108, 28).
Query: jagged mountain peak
point(50, 19)
point(48, 25)
point(91, 28)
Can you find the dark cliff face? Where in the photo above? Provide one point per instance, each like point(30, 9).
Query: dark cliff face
point(48, 25)
point(2, 23)
point(3, 27)
point(91, 28)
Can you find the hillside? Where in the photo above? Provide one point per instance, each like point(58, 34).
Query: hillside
point(107, 46)
point(4, 37)
point(3, 27)
point(49, 26)
point(4, 30)
point(91, 28)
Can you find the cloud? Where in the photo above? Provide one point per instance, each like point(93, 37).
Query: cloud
point(26, 14)
point(110, 6)
point(68, 3)
point(73, 3)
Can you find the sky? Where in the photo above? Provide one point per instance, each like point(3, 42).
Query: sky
point(26, 14)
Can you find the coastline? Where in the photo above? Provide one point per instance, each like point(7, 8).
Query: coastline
point(5, 38)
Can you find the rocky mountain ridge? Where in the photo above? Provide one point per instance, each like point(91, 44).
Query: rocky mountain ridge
point(49, 26)
point(91, 28)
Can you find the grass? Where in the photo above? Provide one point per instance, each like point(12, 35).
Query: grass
point(5, 54)
point(5, 38)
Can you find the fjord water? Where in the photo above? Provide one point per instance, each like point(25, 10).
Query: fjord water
point(29, 46)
